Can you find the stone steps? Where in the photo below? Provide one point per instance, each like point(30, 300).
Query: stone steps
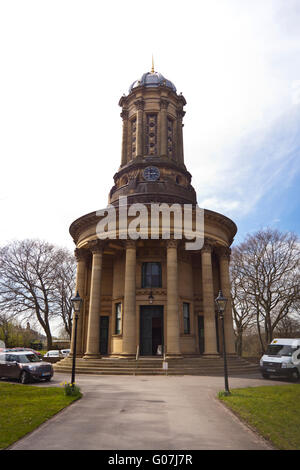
point(153, 366)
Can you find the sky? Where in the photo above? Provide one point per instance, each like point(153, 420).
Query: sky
point(65, 65)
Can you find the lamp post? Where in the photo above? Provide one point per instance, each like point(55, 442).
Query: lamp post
point(221, 302)
point(76, 302)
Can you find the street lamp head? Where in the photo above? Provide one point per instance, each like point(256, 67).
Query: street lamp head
point(151, 298)
point(221, 302)
point(76, 302)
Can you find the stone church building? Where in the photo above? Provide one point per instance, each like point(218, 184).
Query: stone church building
point(152, 296)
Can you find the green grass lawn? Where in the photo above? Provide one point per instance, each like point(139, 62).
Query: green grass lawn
point(273, 410)
point(24, 407)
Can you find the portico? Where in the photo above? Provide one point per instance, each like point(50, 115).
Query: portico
point(182, 299)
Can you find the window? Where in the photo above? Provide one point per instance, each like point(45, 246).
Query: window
point(280, 350)
point(118, 308)
point(151, 134)
point(10, 358)
point(25, 358)
point(151, 275)
point(170, 138)
point(186, 318)
point(133, 137)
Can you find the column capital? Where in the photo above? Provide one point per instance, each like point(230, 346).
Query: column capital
point(80, 254)
point(124, 114)
point(172, 243)
point(208, 245)
point(140, 103)
point(180, 113)
point(224, 252)
point(129, 244)
point(164, 103)
point(95, 246)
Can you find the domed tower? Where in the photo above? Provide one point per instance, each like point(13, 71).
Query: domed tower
point(149, 294)
point(152, 165)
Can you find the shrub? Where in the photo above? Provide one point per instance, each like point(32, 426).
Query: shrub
point(71, 390)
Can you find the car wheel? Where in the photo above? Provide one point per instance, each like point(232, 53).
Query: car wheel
point(24, 378)
point(265, 376)
point(295, 375)
point(48, 379)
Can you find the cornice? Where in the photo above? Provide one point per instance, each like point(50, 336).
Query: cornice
point(221, 220)
point(144, 90)
point(91, 219)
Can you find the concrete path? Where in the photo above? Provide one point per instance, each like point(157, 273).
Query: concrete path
point(145, 413)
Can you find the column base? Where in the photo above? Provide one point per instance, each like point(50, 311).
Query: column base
point(212, 354)
point(125, 355)
point(92, 356)
point(77, 354)
point(173, 356)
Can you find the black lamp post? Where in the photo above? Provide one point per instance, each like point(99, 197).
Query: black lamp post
point(221, 302)
point(76, 302)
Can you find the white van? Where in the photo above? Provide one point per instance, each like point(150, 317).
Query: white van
point(282, 358)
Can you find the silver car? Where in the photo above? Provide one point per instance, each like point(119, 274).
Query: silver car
point(54, 353)
point(24, 366)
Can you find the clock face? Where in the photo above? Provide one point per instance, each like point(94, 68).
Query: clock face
point(151, 173)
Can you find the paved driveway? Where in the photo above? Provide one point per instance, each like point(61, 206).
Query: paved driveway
point(133, 412)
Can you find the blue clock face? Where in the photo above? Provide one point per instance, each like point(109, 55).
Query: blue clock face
point(151, 173)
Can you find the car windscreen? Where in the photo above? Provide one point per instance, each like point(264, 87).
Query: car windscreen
point(280, 350)
point(24, 358)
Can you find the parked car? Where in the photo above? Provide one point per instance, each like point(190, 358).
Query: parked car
point(282, 358)
point(54, 353)
point(35, 352)
point(24, 366)
point(25, 349)
point(65, 352)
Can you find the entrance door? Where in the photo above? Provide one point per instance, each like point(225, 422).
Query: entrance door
point(151, 330)
point(201, 333)
point(104, 326)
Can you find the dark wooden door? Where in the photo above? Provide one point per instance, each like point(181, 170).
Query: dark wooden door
point(151, 329)
point(104, 327)
point(201, 333)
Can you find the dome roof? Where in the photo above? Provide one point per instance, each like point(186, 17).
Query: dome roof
point(152, 79)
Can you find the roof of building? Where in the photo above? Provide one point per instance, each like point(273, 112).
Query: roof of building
point(152, 79)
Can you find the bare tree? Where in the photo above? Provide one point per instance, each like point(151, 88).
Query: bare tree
point(289, 327)
point(29, 273)
point(64, 291)
point(267, 268)
point(5, 327)
point(243, 311)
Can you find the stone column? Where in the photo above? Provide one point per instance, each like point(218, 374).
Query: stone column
point(180, 158)
point(210, 338)
point(139, 127)
point(81, 257)
point(173, 329)
point(129, 314)
point(93, 333)
point(163, 128)
point(124, 116)
point(224, 259)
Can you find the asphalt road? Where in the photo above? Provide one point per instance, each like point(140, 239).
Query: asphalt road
point(146, 413)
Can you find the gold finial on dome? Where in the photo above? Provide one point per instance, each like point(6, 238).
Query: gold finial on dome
point(152, 69)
